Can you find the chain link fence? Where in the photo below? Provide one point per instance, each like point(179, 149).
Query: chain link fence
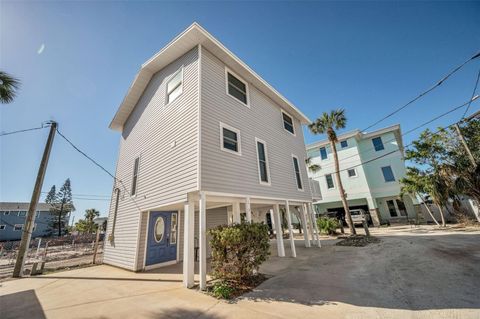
point(54, 253)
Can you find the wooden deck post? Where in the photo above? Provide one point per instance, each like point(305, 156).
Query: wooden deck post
point(188, 245)
point(290, 229)
point(278, 230)
point(203, 241)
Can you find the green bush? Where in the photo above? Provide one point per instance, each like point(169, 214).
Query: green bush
point(222, 289)
point(238, 251)
point(328, 225)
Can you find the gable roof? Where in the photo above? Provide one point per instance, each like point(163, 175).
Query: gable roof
point(185, 41)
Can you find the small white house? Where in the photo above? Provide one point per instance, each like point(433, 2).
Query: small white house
point(204, 142)
point(371, 166)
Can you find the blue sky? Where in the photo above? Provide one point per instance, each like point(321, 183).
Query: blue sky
point(76, 61)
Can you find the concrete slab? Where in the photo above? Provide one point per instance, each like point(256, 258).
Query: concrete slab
point(412, 273)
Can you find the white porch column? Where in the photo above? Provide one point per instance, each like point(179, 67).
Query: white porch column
point(314, 223)
point(236, 213)
point(303, 217)
point(278, 230)
point(290, 229)
point(309, 221)
point(248, 209)
point(202, 241)
point(188, 244)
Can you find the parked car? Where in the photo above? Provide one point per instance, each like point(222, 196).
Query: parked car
point(358, 216)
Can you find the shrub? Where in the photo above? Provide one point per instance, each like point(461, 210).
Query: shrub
point(328, 225)
point(222, 289)
point(238, 251)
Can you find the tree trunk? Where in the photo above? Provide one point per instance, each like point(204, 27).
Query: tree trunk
point(60, 221)
point(428, 209)
point(441, 215)
point(341, 190)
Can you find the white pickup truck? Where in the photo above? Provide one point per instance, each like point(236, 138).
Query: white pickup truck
point(358, 216)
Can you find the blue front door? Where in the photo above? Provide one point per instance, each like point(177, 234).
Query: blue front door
point(162, 237)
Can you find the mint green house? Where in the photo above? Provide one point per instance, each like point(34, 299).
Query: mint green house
point(371, 165)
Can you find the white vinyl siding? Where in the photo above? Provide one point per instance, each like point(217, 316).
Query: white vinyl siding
point(221, 172)
point(167, 139)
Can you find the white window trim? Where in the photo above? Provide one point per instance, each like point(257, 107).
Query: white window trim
point(354, 176)
point(138, 175)
point(3, 227)
point(239, 139)
point(168, 81)
point(247, 89)
point(333, 181)
point(269, 183)
point(14, 226)
point(293, 124)
point(295, 173)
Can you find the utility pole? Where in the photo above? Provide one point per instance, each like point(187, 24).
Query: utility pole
point(462, 139)
point(29, 221)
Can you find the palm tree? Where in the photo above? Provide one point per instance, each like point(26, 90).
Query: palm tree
point(328, 123)
point(8, 87)
point(312, 167)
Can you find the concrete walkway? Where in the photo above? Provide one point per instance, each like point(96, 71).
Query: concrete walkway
point(412, 273)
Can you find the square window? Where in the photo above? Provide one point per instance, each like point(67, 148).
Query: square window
point(378, 144)
point(237, 88)
point(388, 174)
point(22, 213)
point(329, 180)
point(2, 227)
point(230, 139)
point(18, 227)
point(288, 123)
point(175, 86)
point(6, 212)
point(344, 144)
point(352, 172)
point(323, 153)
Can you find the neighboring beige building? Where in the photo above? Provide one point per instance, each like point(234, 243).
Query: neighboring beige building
point(204, 141)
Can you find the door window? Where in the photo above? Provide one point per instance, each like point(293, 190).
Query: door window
point(391, 208)
point(159, 230)
point(173, 229)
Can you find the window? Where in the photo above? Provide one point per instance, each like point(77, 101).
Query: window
point(391, 208)
point(135, 176)
point(237, 88)
point(378, 144)
point(34, 227)
point(6, 212)
point(2, 227)
point(401, 207)
point(352, 172)
point(388, 174)
point(230, 139)
point(17, 227)
point(262, 162)
point(323, 153)
point(298, 177)
point(22, 213)
point(288, 122)
point(329, 180)
point(173, 229)
point(175, 86)
point(344, 144)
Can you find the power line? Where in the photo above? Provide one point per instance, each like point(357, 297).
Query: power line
point(87, 195)
point(100, 166)
point(425, 92)
point(473, 95)
point(383, 155)
point(22, 131)
point(411, 130)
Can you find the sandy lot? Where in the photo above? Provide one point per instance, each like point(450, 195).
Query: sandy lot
point(411, 273)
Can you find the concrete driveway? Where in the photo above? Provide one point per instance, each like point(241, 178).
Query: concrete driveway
point(412, 273)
